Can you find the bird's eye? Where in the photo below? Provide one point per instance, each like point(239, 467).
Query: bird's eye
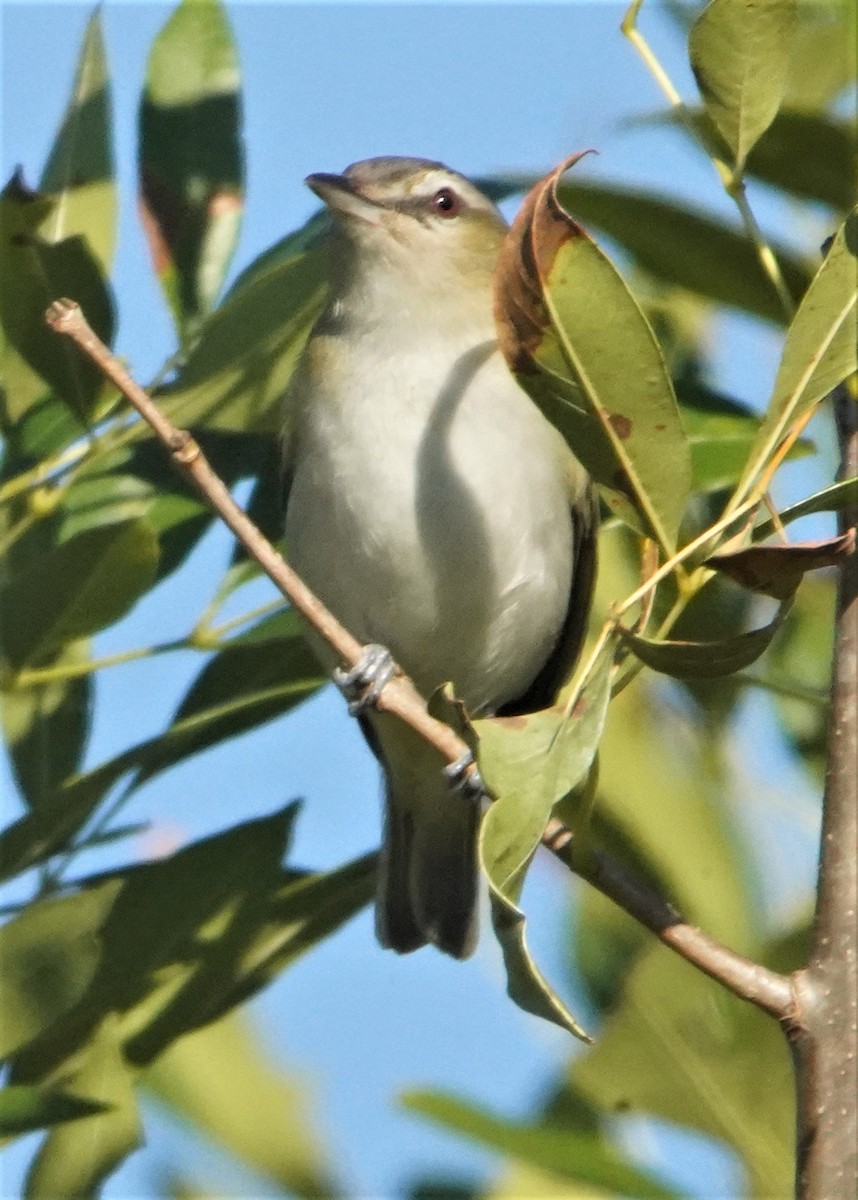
point(446, 202)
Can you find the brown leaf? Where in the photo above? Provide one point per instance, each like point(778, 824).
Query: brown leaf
point(777, 570)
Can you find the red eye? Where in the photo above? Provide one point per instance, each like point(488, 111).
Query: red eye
point(446, 203)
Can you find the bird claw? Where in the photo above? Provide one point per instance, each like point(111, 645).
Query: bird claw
point(464, 779)
point(362, 685)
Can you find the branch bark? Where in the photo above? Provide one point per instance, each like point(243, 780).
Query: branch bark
point(748, 980)
point(825, 1045)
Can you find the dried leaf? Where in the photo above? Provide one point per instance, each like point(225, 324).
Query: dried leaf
point(777, 570)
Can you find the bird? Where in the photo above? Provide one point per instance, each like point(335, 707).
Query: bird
point(431, 506)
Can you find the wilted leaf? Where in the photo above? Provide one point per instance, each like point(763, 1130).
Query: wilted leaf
point(50, 954)
point(687, 247)
point(681, 1048)
point(578, 342)
point(23, 1109)
point(219, 1080)
point(84, 585)
point(35, 272)
point(237, 373)
point(778, 570)
point(191, 157)
point(705, 660)
point(577, 1156)
point(75, 1159)
point(820, 349)
point(46, 726)
point(79, 171)
point(739, 51)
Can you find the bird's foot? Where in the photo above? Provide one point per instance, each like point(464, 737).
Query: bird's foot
point(464, 779)
point(362, 685)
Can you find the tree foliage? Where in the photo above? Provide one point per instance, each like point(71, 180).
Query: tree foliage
point(132, 980)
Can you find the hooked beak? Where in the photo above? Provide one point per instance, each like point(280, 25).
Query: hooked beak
point(342, 197)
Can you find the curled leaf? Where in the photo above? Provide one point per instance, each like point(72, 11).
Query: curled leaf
point(777, 570)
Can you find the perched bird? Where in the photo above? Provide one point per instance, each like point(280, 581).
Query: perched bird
point(431, 506)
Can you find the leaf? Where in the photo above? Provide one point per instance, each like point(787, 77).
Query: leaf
point(739, 52)
point(705, 660)
point(236, 374)
point(191, 158)
point(686, 247)
point(97, 499)
point(681, 1048)
point(82, 586)
point(820, 349)
point(76, 1158)
point(46, 728)
point(79, 173)
point(35, 272)
point(834, 498)
point(802, 656)
point(810, 155)
point(577, 341)
point(577, 1156)
point(23, 1109)
point(257, 676)
point(778, 570)
point(220, 1081)
point(50, 954)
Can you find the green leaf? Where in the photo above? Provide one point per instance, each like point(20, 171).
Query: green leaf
point(802, 656)
point(50, 954)
point(82, 586)
point(79, 173)
point(686, 247)
point(705, 660)
point(257, 676)
point(834, 498)
point(578, 342)
point(577, 1156)
point(820, 350)
point(191, 158)
point(823, 59)
point(739, 52)
point(809, 155)
point(24, 1108)
point(97, 499)
point(46, 728)
point(36, 272)
point(76, 1158)
point(237, 373)
point(220, 1080)
point(681, 1048)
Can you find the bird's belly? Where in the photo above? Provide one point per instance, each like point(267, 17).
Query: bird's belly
point(452, 547)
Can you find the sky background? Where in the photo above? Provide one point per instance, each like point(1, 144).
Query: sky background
point(483, 87)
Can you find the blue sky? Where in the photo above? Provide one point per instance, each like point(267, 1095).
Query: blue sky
point(482, 87)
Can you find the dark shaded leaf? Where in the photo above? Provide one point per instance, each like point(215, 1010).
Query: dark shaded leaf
point(578, 342)
point(577, 1156)
point(35, 272)
point(75, 1159)
point(79, 173)
point(810, 155)
point(46, 728)
point(778, 570)
point(739, 53)
point(23, 1109)
point(191, 158)
point(84, 585)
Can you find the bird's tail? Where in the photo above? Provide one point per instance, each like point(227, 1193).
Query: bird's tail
point(427, 889)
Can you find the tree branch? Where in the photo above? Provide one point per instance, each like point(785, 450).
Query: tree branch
point(826, 1043)
point(746, 979)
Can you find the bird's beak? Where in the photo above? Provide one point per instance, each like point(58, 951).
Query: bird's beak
point(343, 198)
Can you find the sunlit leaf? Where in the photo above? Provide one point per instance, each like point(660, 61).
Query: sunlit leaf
point(820, 349)
point(79, 173)
point(739, 51)
point(86, 584)
point(77, 1157)
point(578, 342)
point(220, 1080)
point(834, 498)
point(680, 1047)
point(191, 158)
point(580, 1157)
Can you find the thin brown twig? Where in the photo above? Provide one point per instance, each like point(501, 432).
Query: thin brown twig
point(746, 979)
